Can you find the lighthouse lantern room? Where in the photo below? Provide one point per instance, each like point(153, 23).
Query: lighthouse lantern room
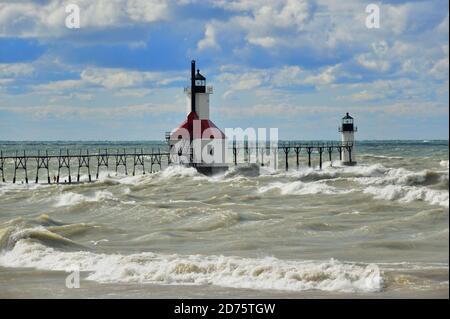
point(348, 130)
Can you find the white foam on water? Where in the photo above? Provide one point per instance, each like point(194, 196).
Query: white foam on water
point(444, 163)
point(399, 184)
point(71, 199)
point(9, 236)
point(299, 188)
point(401, 176)
point(365, 170)
point(409, 194)
point(177, 171)
point(139, 178)
point(236, 272)
point(354, 212)
point(10, 187)
point(332, 172)
point(380, 156)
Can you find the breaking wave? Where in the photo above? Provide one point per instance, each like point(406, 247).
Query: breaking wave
point(401, 176)
point(236, 272)
point(71, 199)
point(299, 188)
point(39, 243)
point(380, 156)
point(178, 171)
point(42, 229)
point(408, 194)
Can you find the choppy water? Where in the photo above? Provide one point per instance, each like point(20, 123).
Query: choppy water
point(374, 230)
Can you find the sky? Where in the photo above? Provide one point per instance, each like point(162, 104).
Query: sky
point(295, 65)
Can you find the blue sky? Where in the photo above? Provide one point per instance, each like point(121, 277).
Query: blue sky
point(298, 65)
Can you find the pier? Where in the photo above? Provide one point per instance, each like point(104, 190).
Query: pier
point(284, 149)
point(77, 160)
point(54, 164)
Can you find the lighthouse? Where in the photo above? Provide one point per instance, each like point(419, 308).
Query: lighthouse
point(197, 141)
point(348, 130)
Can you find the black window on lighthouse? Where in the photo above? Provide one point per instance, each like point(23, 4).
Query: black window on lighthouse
point(347, 123)
point(200, 83)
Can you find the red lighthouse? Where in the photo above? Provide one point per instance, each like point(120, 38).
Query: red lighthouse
point(198, 142)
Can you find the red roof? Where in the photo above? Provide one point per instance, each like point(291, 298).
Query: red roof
point(188, 125)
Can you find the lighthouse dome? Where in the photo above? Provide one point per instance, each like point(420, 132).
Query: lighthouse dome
point(200, 80)
point(347, 123)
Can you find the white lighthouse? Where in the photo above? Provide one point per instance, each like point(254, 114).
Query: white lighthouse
point(348, 130)
point(197, 141)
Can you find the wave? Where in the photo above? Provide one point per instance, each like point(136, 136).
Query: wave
point(401, 176)
point(408, 194)
point(175, 171)
point(379, 156)
point(299, 188)
point(42, 229)
point(72, 199)
point(210, 221)
point(236, 272)
point(251, 170)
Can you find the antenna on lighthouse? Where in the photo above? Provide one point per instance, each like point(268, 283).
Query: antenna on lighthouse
point(193, 86)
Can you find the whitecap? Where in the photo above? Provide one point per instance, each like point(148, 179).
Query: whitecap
point(299, 188)
point(177, 171)
point(409, 194)
point(71, 199)
point(236, 272)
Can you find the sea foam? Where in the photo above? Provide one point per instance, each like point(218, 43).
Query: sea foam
point(408, 194)
point(298, 188)
point(71, 199)
point(235, 272)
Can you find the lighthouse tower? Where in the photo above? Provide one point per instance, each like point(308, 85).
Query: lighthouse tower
point(348, 130)
point(197, 141)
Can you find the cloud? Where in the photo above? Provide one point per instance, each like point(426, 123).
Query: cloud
point(15, 69)
point(265, 42)
point(285, 77)
point(373, 64)
point(266, 21)
point(112, 78)
point(209, 41)
point(58, 86)
point(68, 111)
point(47, 19)
point(327, 76)
point(125, 82)
point(263, 56)
point(283, 110)
point(242, 81)
point(139, 92)
point(365, 96)
point(440, 69)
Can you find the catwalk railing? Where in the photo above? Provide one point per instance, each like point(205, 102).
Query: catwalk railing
point(79, 160)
